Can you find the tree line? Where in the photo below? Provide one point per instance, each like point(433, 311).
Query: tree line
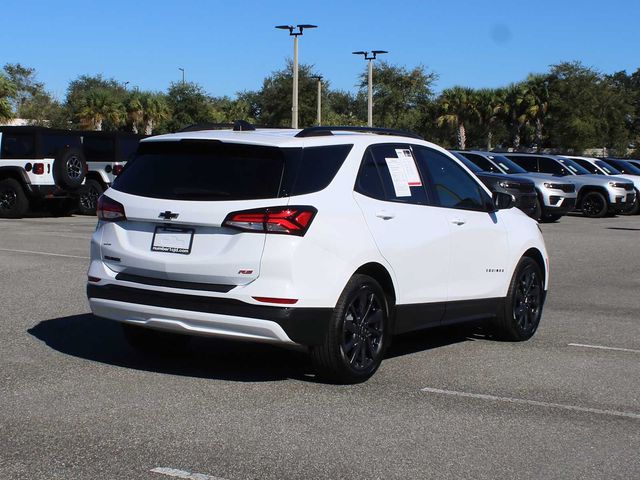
point(570, 108)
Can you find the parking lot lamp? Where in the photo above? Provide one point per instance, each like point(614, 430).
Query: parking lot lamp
point(295, 32)
point(370, 59)
point(319, 114)
point(182, 70)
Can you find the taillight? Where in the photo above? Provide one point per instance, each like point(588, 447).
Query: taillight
point(109, 210)
point(38, 168)
point(117, 169)
point(293, 220)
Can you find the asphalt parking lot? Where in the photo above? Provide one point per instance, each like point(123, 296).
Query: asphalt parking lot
point(76, 402)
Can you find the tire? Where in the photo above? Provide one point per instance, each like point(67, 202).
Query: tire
point(594, 205)
point(537, 211)
point(88, 200)
point(154, 342)
point(13, 201)
point(635, 209)
point(63, 207)
point(523, 303)
point(69, 168)
point(550, 218)
point(358, 334)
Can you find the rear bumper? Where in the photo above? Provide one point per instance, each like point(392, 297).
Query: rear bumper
point(209, 316)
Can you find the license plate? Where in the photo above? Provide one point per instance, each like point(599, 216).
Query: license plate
point(172, 240)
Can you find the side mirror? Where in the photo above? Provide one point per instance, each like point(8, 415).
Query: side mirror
point(502, 201)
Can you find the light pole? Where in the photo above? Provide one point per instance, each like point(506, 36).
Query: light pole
point(319, 114)
point(182, 70)
point(125, 84)
point(295, 34)
point(374, 54)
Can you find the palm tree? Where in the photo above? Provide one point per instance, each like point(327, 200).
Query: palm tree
point(135, 112)
point(97, 106)
point(490, 103)
point(458, 106)
point(538, 102)
point(516, 109)
point(154, 109)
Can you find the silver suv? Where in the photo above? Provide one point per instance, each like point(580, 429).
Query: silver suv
point(555, 197)
point(598, 196)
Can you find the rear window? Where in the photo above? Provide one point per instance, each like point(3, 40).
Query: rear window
point(217, 171)
point(98, 149)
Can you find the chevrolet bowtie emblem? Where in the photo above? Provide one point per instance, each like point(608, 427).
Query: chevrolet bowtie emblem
point(168, 215)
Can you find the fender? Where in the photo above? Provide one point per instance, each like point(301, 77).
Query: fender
point(19, 174)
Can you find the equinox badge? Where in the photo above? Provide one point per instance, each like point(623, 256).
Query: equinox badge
point(168, 215)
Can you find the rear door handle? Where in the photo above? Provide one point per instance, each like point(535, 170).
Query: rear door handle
point(458, 221)
point(383, 214)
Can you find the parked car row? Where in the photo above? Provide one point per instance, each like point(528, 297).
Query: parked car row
point(60, 170)
point(566, 183)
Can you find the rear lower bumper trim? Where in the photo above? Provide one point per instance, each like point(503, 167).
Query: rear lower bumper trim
point(306, 326)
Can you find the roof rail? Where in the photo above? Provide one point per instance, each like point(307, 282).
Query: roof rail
point(237, 126)
point(328, 130)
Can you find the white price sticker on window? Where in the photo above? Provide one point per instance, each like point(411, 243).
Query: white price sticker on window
point(398, 177)
point(409, 165)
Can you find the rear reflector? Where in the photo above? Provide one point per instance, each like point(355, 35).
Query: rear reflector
point(292, 220)
point(283, 301)
point(38, 168)
point(109, 210)
point(93, 279)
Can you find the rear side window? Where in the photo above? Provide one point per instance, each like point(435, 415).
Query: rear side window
point(317, 167)
point(389, 172)
point(18, 145)
point(98, 149)
point(53, 143)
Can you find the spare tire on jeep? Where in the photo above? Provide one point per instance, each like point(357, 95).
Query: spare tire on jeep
point(69, 168)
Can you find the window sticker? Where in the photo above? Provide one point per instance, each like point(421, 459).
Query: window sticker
point(409, 165)
point(398, 177)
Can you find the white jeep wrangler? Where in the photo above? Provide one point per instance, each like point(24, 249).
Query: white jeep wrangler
point(39, 167)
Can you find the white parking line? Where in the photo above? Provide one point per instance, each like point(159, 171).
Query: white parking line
point(174, 472)
point(42, 253)
point(535, 403)
point(600, 347)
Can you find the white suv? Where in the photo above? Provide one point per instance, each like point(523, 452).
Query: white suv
point(331, 238)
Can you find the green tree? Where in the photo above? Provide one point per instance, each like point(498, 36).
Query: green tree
point(458, 106)
point(516, 110)
point(99, 106)
point(189, 104)
point(96, 90)
point(537, 101)
point(26, 85)
point(400, 96)
point(155, 109)
point(489, 104)
point(7, 91)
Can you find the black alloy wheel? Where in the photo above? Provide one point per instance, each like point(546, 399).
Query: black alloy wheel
point(594, 205)
point(363, 329)
point(88, 199)
point(520, 317)
point(527, 304)
point(357, 336)
point(13, 201)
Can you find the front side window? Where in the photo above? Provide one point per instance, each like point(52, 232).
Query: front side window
point(482, 162)
point(608, 168)
point(589, 166)
point(548, 165)
point(450, 185)
point(530, 164)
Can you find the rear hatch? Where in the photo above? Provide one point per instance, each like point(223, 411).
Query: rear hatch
point(176, 196)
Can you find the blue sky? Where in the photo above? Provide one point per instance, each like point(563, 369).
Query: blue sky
point(231, 46)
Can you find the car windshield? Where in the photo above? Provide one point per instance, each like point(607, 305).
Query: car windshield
point(628, 167)
point(468, 163)
point(573, 166)
point(609, 169)
point(508, 166)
